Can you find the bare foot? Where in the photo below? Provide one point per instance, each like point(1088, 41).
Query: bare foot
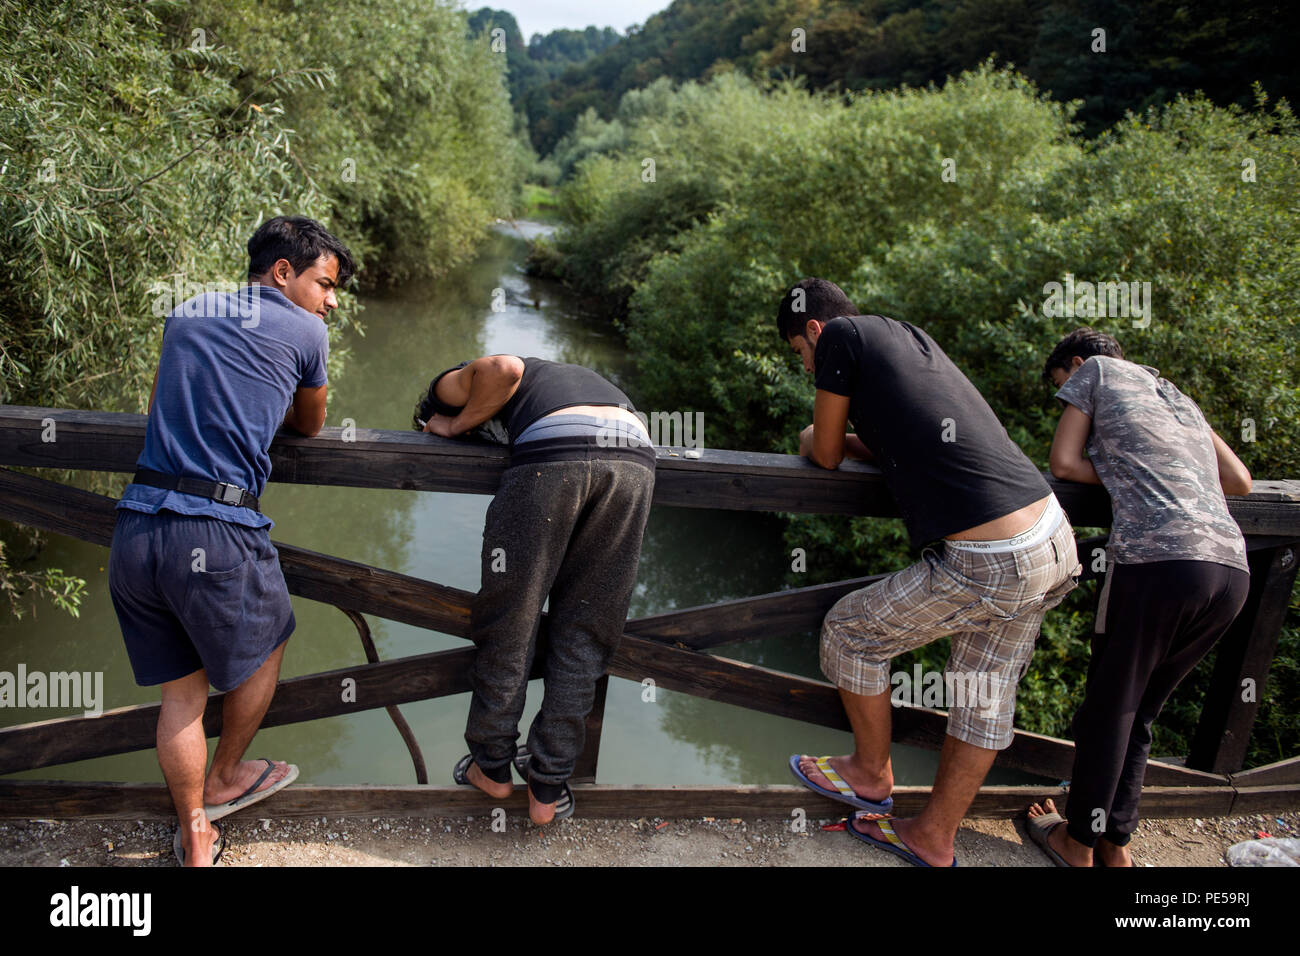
point(498, 791)
point(1067, 847)
point(868, 786)
point(198, 843)
point(218, 789)
point(922, 845)
point(1108, 854)
point(540, 813)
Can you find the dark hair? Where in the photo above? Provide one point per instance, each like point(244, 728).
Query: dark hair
point(1085, 343)
point(822, 300)
point(300, 240)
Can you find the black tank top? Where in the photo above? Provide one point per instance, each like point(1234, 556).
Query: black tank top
point(548, 386)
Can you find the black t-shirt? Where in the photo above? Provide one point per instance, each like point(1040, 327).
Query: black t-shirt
point(947, 460)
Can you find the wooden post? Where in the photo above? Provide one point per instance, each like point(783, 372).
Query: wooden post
point(584, 771)
point(1241, 669)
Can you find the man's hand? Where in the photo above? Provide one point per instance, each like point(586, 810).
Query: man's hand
point(806, 441)
point(823, 441)
point(440, 425)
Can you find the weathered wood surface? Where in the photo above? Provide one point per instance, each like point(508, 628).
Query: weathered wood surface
point(35, 799)
point(1243, 658)
point(399, 597)
point(375, 458)
point(1269, 799)
point(1282, 772)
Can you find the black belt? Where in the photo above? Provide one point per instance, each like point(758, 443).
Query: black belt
point(218, 491)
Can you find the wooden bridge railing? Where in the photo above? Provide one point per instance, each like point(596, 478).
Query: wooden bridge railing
point(669, 648)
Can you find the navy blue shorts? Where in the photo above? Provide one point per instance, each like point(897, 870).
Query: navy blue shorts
point(196, 593)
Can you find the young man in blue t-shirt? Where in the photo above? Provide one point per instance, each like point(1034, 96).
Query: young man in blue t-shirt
point(194, 578)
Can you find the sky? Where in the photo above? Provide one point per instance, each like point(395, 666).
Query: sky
point(543, 16)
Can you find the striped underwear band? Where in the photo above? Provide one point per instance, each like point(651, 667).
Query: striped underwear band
point(616, 430)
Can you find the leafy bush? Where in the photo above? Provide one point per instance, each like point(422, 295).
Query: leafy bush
point(1194, 199)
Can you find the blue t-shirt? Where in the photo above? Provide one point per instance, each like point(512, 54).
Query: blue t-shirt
point(227, 373)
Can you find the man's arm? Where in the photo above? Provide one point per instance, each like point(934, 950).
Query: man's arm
point(1233, 475)
point(153, 391)
point(482, 387)
point(824, 441)
point(307, 413)
point(1068, 461)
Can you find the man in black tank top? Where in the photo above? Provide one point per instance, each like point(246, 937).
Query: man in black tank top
point(997, 553)
point(567, 521)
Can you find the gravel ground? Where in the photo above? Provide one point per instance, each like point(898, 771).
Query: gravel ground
point(470, 841)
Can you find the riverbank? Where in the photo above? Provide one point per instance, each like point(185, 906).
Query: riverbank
point(470, 841)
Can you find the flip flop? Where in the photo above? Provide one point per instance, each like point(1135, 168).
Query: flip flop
point(842, 792)
point(1039, 827)
point(459, 772)
point(252, 794)
point(218, 847)
point(892, 842)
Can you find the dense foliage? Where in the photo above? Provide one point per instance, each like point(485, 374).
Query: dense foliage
point(144, 142)
point(531, 65)
point(951, 209)
point(1153, 50)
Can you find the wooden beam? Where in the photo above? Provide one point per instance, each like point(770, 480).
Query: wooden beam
point(38, 799)
point(1269, 799)
point(1283, 771)
point(743, 619)
point(1242, 662)
point(375, 458)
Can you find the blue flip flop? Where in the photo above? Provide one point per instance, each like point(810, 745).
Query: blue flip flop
point(843, 792)
point(892, 842)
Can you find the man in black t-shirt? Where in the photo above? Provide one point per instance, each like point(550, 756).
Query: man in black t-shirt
point(998, 551)
point(566, 522)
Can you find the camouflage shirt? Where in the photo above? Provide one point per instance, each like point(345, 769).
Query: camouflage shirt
point(1153, 452)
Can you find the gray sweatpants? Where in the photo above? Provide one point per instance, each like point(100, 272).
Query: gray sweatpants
point(570, 529)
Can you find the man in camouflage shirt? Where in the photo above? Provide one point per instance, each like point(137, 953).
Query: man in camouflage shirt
point(1177, 575)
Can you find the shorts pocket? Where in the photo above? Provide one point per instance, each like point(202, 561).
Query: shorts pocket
point(996, 612)
point(215, 599)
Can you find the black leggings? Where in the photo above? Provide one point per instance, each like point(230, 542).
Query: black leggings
point(1160, 620)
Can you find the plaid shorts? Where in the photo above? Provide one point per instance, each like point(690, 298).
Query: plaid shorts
point(992, 604)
